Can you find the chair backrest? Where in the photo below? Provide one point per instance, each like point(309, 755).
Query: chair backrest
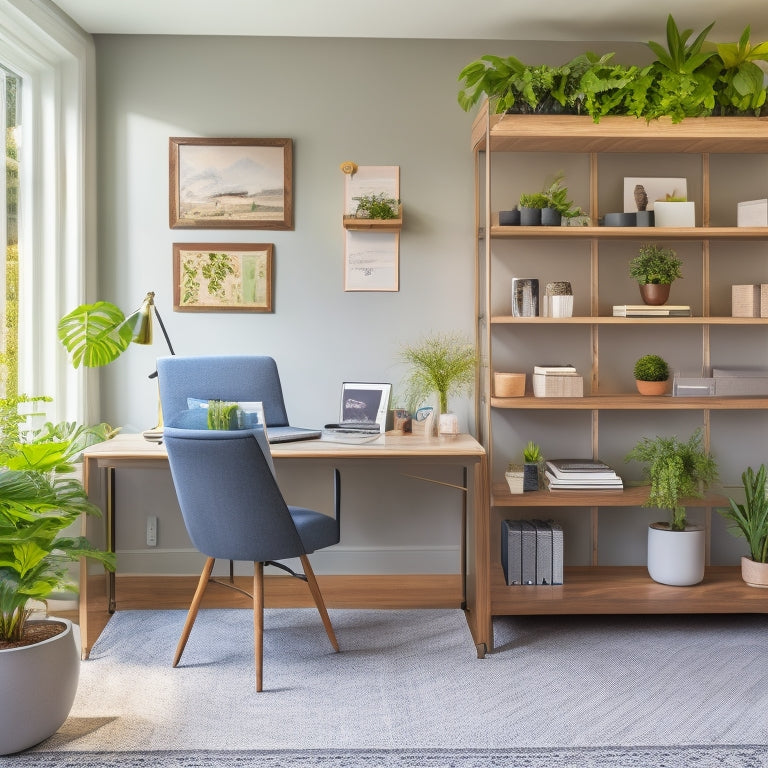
point(236, 378)
point(230, 502)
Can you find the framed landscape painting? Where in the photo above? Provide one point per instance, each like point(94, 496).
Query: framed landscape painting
point(221, 277)
point(230, 183)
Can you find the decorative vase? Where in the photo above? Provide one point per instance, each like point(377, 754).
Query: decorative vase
point(38, 684)
point(551, 217)
point(530, 476)
point(652, 387)
point(676, 557)
point(755, 574)
point(654, 294)
point(530, 217)
point(674, 214)
point(448, 425)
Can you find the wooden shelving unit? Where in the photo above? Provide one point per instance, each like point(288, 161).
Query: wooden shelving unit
point(592, 587)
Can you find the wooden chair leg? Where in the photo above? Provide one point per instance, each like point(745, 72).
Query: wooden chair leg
point(193, 608)
point(258, 621)
point(319, 602)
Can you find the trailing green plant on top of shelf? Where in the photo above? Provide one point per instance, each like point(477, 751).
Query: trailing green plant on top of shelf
point(687, 79)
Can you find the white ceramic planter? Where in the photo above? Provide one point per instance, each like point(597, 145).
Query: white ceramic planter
point(676, 557)
point(38, 684)
point(682, 214)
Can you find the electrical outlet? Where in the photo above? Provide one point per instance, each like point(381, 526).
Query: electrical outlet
point(151, 530)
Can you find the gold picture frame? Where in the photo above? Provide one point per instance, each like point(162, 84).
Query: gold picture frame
point(230, 183)
point(222, 277)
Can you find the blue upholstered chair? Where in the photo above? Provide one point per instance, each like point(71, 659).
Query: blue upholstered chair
point(235, 378)
point(233, 509)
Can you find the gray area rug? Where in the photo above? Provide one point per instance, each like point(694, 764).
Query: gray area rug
point(408, 690)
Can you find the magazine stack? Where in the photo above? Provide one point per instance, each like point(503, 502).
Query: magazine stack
point(581, 475)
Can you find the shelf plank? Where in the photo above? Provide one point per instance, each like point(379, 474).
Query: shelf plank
point(579, 133)
point(631, 496)
point(611, 320)
point(627, 590)
point(630, 233)
point(630, 402)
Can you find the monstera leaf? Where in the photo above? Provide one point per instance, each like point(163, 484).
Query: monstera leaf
point(95, 334)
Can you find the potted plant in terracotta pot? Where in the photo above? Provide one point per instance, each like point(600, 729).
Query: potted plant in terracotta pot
point(655, 269)
point(750, 520)
point(40, 498)
point(442, 364)
point(651, 375)
point(676, 469)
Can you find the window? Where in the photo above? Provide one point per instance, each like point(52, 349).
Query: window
point(10, 94)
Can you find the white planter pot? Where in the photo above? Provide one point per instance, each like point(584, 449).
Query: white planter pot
point(682, 214)
point(676, 557)
point(38, 684)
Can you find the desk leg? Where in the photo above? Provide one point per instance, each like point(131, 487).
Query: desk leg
point(111, 541)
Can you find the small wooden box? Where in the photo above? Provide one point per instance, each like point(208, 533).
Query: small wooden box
point(548, 385)
point(745, 300)
point(752, 213)
point(508, 384)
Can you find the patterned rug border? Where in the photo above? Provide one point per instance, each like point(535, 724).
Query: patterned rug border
point(689, 756)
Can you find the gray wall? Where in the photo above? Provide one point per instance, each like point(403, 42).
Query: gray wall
point(376, 102)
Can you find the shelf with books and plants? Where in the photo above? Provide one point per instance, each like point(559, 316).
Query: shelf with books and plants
point(514, 153)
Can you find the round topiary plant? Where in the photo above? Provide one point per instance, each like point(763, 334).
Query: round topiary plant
point(651, 368)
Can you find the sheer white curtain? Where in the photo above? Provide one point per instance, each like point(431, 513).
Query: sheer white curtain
point(57, 237)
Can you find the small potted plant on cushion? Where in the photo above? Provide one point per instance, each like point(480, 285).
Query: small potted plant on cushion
point(750, 520)
point(655, 269)
point(40, 499)
point(651, 375)
point(676, 470)
point(532, 458)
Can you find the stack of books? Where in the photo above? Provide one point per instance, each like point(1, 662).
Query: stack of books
point(646, 310)
point(557, 381)
point(532, 552)
point(581, 475)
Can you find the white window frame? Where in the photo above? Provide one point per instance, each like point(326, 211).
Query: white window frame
point(57, 222)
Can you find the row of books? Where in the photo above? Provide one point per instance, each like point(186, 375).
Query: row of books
point(580, 475)
point(532, 552)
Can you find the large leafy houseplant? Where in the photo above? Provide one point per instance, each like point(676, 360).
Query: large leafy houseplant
point(750, 519)
point(676, 469)
point(39, 499)
point(441, 363)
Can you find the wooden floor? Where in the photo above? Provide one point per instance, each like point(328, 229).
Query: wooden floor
point(383, 592)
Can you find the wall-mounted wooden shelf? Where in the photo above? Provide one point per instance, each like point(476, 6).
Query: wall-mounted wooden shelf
point(375, 225)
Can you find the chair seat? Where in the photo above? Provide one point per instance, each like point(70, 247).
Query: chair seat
point(316, 530)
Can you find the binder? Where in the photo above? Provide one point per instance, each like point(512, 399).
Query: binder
point(528, 575)
point(543, 552)
point(511, 551)
point(557, 552)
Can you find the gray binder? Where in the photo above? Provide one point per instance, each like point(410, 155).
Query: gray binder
point(557, 552)
point(543, 552)
point(511, 551)
point(529, 552)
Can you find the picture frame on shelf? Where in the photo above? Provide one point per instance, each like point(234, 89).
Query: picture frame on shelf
point(654, 189)
point(230, 183)
point(222, 277)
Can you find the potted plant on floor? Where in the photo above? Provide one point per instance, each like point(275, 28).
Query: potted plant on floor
point(655, 269)
point(750, 520)
point(651, 375)
point(40, 499)
point(440, 363)
point(676, 470)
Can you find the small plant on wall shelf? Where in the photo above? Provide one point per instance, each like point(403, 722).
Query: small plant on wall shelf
point(651, 375)
point(377, 206)
point(657, 267)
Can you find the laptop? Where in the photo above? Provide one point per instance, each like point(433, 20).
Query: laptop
point(362, 414)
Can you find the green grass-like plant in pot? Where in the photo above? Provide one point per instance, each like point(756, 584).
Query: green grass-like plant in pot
point(533, 459)
point(651, 375)
point(655, 268)
point(750, 520)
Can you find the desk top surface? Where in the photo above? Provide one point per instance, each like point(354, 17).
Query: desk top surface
point(394, 446)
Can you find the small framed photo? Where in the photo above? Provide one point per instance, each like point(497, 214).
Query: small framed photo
point(363, 401)
point(222, 277)
point(641, 193)
point(230, 183)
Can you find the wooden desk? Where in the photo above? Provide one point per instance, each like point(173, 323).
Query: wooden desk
point(102, 461)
